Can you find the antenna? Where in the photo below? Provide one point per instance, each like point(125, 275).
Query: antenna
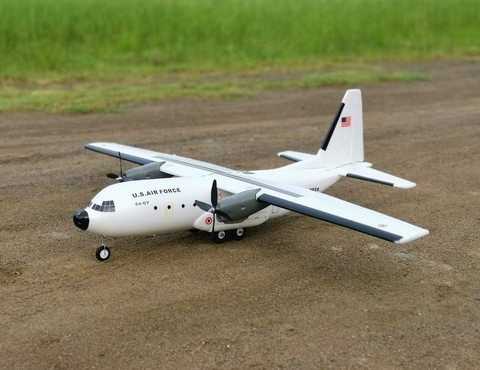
point(120, 176)
point(121, 168)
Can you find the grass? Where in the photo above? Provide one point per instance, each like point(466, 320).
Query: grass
point(85, 98)
point(53, 53)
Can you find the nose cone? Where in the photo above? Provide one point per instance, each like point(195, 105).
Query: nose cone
point(80, 219)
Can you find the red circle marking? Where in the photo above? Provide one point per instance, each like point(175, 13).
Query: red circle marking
point(208, 220)
point(383, 225)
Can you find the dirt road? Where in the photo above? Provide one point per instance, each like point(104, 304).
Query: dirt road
point(297, 293)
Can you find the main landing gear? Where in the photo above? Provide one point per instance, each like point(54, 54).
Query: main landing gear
point(102, 253)
point(222, 236)
point(238, 234)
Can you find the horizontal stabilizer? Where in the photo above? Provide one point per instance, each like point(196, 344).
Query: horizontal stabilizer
point(362, 171)
point(295, 156)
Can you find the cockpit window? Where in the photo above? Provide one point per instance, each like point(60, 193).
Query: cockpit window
point(107, 206)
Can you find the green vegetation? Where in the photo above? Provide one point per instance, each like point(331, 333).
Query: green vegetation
point(51, 49)
point(87, 98)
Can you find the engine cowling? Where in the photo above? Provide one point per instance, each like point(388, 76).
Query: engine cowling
point(239, 206)
point(145, 172)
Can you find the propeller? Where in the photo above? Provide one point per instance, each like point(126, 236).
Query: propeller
point(213, 208)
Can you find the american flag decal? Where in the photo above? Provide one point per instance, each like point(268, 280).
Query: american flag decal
point(346, 121)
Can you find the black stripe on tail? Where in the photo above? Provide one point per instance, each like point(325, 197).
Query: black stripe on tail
point(332, 127)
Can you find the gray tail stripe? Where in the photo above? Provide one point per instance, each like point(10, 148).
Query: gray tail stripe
point(293, 159)
point(353, 176)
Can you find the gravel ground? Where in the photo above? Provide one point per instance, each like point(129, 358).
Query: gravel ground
point(297, 293)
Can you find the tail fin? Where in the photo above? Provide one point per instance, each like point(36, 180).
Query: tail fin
point(344, 141)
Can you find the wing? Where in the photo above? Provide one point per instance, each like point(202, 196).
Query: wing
point(342, 213)
point(174, 165)
point(323, 207)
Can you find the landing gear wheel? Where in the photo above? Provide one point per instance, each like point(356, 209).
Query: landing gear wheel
point(102, 253)
point(238, 234)
point(220, 237)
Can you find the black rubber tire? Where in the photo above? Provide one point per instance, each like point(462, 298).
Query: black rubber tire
point(102, 253)
point(220, 236)
point(238, 234)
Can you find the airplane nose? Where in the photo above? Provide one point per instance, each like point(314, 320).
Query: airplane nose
point(80, 219)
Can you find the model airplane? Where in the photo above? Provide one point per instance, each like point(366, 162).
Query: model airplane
point(170, 193)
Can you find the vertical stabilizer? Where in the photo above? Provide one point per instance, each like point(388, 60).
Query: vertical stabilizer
point(344, 141)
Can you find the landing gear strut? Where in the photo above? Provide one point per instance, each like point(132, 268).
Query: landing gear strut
point(102, 253)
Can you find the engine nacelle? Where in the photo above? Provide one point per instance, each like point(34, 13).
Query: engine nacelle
point(240, 206)
point(145, 172)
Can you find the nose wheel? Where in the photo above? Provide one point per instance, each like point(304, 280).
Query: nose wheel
point(102, 253)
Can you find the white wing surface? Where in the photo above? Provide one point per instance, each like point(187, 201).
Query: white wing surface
point(342, 213)
point(323, 207)
point(174, 165)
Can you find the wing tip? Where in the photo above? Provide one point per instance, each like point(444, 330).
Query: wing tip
point(409, 238)
point(405, 184)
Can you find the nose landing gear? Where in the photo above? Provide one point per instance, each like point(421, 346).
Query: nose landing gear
point(102, 253)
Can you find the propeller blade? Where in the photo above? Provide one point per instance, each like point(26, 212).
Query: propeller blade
point(112, 176)
point(213, 208)
point(214, 194)
point(204, 206)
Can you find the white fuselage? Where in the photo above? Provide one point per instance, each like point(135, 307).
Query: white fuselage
point(157, 206)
